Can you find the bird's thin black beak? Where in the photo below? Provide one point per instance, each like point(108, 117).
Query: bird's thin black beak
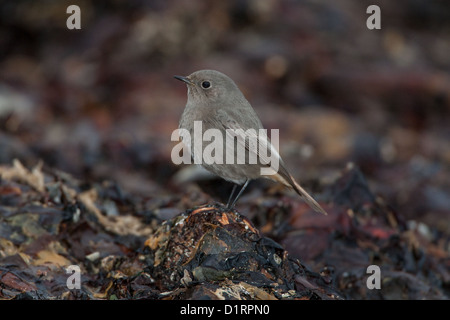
point(184, 79)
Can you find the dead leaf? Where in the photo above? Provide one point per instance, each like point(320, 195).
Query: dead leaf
point(122, 225)
point(11, 280)
point(34, 179)
point(7, 248)
point(49, 256)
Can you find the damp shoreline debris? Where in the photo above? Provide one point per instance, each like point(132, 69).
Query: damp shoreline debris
point(208, 252)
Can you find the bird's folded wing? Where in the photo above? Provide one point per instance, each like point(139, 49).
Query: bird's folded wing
point(254, 140)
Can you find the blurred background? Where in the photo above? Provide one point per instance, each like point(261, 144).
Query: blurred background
point(101, 102)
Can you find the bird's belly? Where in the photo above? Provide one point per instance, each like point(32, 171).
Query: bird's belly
point(237, 173)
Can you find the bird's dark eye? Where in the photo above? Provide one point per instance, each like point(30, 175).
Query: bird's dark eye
point(206, 84)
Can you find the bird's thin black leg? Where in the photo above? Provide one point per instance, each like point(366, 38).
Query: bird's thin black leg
point(231, 195)
point(239, 194)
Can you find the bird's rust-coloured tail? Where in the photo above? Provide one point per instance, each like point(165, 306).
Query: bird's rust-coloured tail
point(284, 177)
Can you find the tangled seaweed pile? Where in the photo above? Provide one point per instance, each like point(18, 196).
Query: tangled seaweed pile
point(50, 221)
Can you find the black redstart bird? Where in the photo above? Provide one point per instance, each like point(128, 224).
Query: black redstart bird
point(216, 101)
